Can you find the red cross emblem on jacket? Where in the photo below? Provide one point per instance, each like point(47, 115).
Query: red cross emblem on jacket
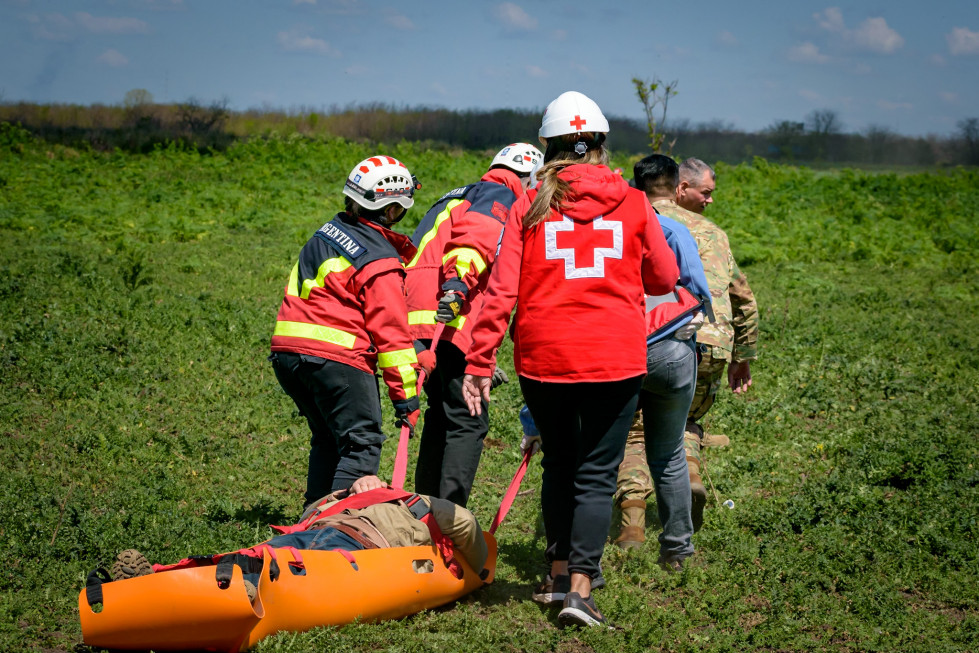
point(577, 240)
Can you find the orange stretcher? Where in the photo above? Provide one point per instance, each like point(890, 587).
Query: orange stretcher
point(185, 609)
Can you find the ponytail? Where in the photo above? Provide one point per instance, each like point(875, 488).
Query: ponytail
point(561, 154)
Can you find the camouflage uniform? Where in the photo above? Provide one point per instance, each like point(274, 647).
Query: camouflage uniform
point(733, 337)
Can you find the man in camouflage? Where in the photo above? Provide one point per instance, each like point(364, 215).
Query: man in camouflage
point(732, 339)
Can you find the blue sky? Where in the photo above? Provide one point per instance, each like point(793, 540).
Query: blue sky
point(911, 67)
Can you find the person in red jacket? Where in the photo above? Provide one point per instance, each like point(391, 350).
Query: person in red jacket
point(456, 243)
point(344, 316)
point(577, 255)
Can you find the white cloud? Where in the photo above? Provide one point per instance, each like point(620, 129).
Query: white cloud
point(728, 39)
point(807, 53)
point(831, 20)
point(515, 18)
point(439, 89)
point(961, 40)
point(873, 34)
point(560, 35)
point(949, 97)
point(111, 25)
point(398, 21)
point(887, 105)
point(810, 95)
point(296, 41)
point(536, 71)
point(936, 60)
point(51, 27)
point(113, 58)
point(304, 2)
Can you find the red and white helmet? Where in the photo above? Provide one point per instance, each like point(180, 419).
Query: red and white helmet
point(523, 158)
point(380, 180)
point(570, 113)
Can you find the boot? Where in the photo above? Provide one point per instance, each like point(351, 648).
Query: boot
point(698, 493)
point(633, 532)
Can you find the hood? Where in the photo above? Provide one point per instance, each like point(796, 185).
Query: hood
point(505, 177)
point(595, 190)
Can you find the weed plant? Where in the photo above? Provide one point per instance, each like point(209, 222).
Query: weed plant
point(137, 408)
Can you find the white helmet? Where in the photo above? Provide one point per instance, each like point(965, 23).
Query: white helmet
point(523, 158)
point(570, 113)
point(380, 180)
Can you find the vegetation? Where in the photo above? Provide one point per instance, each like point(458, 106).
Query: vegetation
point(138, 293)
point(139, 126)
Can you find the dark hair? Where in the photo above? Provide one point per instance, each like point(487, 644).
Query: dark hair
point(355, 209)
point(656, 174)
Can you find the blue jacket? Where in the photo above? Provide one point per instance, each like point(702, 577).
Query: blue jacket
point(692, 276)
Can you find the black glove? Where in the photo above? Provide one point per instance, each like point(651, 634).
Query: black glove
point(451, 303)
point(499, 378)
point(406, 413)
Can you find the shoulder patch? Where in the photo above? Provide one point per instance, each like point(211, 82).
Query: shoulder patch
point(349, 246)
point(500, 211)
point(456, 192)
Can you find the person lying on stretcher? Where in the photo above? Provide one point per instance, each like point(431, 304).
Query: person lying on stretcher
point(388, 523)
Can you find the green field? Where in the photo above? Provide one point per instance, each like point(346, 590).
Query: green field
point(137, 408)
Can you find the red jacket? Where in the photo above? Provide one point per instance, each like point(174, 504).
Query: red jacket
point(577, 279)
point(345, 301)
point(458, 238)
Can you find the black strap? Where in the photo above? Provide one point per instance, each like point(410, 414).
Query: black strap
point(248, 564)
point(93, 585)
point(417, 507)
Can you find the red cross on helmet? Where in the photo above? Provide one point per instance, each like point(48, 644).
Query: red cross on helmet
point(380, 180)
point(523, 158)
point(572, 112)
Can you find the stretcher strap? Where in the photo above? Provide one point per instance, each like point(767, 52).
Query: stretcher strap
point(511, 492)
point(401, 458)
point(93, 585)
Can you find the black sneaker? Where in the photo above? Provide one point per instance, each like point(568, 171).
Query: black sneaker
point(580, 612)
point(552, 590)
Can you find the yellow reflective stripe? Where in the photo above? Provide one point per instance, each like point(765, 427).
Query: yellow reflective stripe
point(315, 332)
point(409, 381)
point(338, 264)
point(428, 317)
point(466, 259)
point(291, 287)
point(396, 358)
point(427, 238)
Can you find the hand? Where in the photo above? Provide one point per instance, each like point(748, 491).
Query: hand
point(499, 378)
point(365, 483)
point(426, 361)
point(531, 442)
point(475, 390)
point(739, 376)
point(449, 306)
point(689, 329)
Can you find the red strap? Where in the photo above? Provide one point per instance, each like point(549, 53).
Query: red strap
point(511, 492)
point(401, 458)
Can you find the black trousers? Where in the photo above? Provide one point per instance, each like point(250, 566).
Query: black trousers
point(452, 439)
point(583, 428)
point(342, 406)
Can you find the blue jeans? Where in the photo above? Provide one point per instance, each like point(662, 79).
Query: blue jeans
point(665, 399)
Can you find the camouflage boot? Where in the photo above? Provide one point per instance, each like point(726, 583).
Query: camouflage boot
point(633, 532)
point(698, 493)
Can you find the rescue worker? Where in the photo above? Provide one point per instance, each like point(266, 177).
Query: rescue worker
point(654, 453)
point(456, 243)
point(344, 316)
point(576, 256)
point(379, 525)
point(732, 339)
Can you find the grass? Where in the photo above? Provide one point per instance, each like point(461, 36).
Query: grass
point(137, 409)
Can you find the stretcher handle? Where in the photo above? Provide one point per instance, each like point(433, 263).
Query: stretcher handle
point(401, 457)
point(511, 492)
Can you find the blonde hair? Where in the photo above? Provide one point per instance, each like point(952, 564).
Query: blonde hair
point(552, 190)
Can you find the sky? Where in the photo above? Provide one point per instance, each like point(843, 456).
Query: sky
point(911, 67)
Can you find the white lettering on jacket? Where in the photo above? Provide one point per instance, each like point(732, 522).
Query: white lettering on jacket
point(351, 247)
point(571, 270)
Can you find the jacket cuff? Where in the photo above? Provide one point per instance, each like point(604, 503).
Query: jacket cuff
point(405, 406)
point(455, 284)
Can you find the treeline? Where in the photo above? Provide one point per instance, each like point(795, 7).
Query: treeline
point(139, 126)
